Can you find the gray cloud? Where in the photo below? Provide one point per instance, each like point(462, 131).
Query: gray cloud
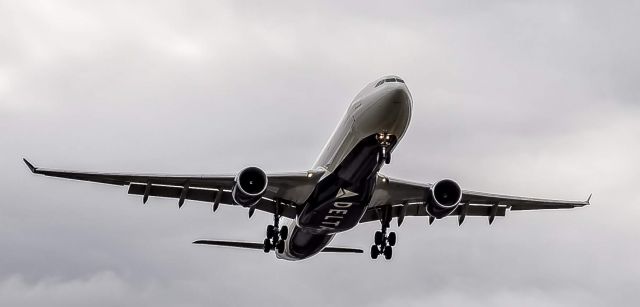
point(523, 98)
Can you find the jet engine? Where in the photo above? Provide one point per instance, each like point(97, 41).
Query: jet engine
point(249, 186)
point(443, 198)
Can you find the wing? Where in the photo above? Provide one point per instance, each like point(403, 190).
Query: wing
point(291, 188)
point(400, 198)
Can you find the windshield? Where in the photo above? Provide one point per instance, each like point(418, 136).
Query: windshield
point(383, 81)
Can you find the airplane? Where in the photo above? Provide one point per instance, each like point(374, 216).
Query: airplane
point(342, 189)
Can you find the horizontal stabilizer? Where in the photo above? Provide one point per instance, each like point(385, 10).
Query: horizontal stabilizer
point(260, 246)
point(342, 250)
point(231, 244)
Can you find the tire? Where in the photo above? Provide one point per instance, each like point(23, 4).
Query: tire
point(387, 159)
point(284, 232)
point(267, 245)
point(374, 252)
point(270, 231)
point(392, 239)
point(280, 247)
point(377, 238)
point(388, 252)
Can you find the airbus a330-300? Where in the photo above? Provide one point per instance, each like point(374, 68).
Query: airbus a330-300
point(343, 188)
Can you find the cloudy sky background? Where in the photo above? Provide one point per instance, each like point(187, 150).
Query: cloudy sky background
point(529, 98)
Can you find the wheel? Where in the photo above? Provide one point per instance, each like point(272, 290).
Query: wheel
point(280, 247)
point(377, 238)
point(392, 239)
point(374, 252)
point(388, 252)
point(270, 231)
point(267, 245)
point(284, 232)
point(387, 158)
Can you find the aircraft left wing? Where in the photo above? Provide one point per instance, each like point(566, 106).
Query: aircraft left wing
point(215, 189)
point(400, 198)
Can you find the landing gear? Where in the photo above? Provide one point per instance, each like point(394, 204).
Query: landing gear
point(392, 239)
point(388, 252)
point(284, 232)
point(267, 245)
point(275, 235)
point(383, 243)
point(377, 239)
point(374, 252)
point(384, 139)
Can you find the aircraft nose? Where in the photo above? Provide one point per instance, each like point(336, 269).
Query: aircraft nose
point(388, 111)
point(397, 96)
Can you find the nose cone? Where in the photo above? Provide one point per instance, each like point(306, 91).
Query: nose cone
point(397, 94)
point(395, 100)
point(390, 112)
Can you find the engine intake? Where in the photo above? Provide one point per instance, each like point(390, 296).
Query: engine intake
point(249, 186)
point(443, 198)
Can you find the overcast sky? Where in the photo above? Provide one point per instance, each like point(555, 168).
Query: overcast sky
point(537, 98)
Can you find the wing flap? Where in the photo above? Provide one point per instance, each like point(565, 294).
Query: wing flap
point(417, 209)
point(207, 195)
point(198, 194)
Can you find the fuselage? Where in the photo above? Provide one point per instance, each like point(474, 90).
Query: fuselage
point(350, 162)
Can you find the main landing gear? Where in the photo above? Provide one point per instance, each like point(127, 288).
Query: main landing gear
point(384, 139)
point(383, 243)
point(275, 235)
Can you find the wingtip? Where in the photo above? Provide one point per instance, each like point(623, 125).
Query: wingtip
point(589, 199)
point(29, 165)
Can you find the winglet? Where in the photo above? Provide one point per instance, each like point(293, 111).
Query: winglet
point(31, 167)
point(589, 199)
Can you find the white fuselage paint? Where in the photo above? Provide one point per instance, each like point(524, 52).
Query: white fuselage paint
point(376, 109)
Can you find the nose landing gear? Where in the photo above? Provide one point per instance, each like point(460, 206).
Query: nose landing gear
point(276, 235)
point(384, 139)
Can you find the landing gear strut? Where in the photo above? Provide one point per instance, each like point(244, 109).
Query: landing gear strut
point(384, 139)
point(383, 243)
point(276, 235)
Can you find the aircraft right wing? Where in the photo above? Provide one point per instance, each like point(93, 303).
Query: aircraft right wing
point(291, 188)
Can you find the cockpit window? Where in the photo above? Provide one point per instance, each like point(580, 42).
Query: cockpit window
point(389, 80)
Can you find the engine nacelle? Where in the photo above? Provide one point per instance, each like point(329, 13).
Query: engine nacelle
point(443, 198)
point(249, 186)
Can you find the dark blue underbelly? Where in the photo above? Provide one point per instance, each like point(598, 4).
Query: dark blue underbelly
point(340, 200)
